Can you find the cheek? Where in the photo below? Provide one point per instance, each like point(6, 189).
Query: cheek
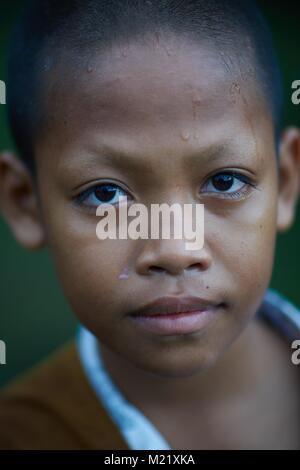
point(257, 241)
point(89, 269)
point(90, 276)
point(243, 243)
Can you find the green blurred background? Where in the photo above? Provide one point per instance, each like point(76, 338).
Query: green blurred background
point(34, 316)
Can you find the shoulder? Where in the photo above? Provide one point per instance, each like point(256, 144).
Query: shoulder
point(54, 407)
point(281, 314)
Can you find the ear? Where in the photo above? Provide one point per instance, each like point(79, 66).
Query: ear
point(19, 202)
point(289, 178)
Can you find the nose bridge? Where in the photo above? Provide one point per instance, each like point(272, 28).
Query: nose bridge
point(171, 256)
point(176, 241)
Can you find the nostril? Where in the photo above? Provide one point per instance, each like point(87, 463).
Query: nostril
point(194, 266)
point(156, 269)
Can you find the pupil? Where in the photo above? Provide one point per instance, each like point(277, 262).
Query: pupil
point(222, 182)
point(105, 193)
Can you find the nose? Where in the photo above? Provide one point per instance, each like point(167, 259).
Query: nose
point(171, 256)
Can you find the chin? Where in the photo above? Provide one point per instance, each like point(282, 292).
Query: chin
point(179, 366)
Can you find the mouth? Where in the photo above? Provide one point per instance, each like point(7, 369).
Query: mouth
point(176, 315)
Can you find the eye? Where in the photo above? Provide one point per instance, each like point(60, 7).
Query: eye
point(228, 184)
point(107, 193)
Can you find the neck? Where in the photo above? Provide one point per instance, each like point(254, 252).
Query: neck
point(233, 375)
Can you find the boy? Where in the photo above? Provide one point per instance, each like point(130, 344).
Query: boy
point(162, 102)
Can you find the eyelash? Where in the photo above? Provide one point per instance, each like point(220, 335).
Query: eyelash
point(79, 200)
point(248, 184)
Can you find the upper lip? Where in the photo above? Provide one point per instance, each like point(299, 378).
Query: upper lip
point(173, 305)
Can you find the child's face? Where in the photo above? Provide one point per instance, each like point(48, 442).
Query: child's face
point(181, 117)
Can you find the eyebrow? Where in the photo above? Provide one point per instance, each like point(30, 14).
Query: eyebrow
point(113, 156)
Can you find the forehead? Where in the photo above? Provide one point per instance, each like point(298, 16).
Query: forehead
point(157, 93)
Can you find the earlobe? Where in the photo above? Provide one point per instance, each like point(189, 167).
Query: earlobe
point(289, 178)
point(19, 202)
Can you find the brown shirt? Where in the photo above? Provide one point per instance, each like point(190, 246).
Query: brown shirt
point(54, 407)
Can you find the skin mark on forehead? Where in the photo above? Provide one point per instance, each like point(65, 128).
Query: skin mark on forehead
point(130, 150)
point(122, 158)
point(109, 87)
point(119, 95)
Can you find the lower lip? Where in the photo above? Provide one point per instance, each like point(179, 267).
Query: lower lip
point(177, 324)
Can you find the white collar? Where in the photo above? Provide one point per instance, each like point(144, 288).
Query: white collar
point(137, 430)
